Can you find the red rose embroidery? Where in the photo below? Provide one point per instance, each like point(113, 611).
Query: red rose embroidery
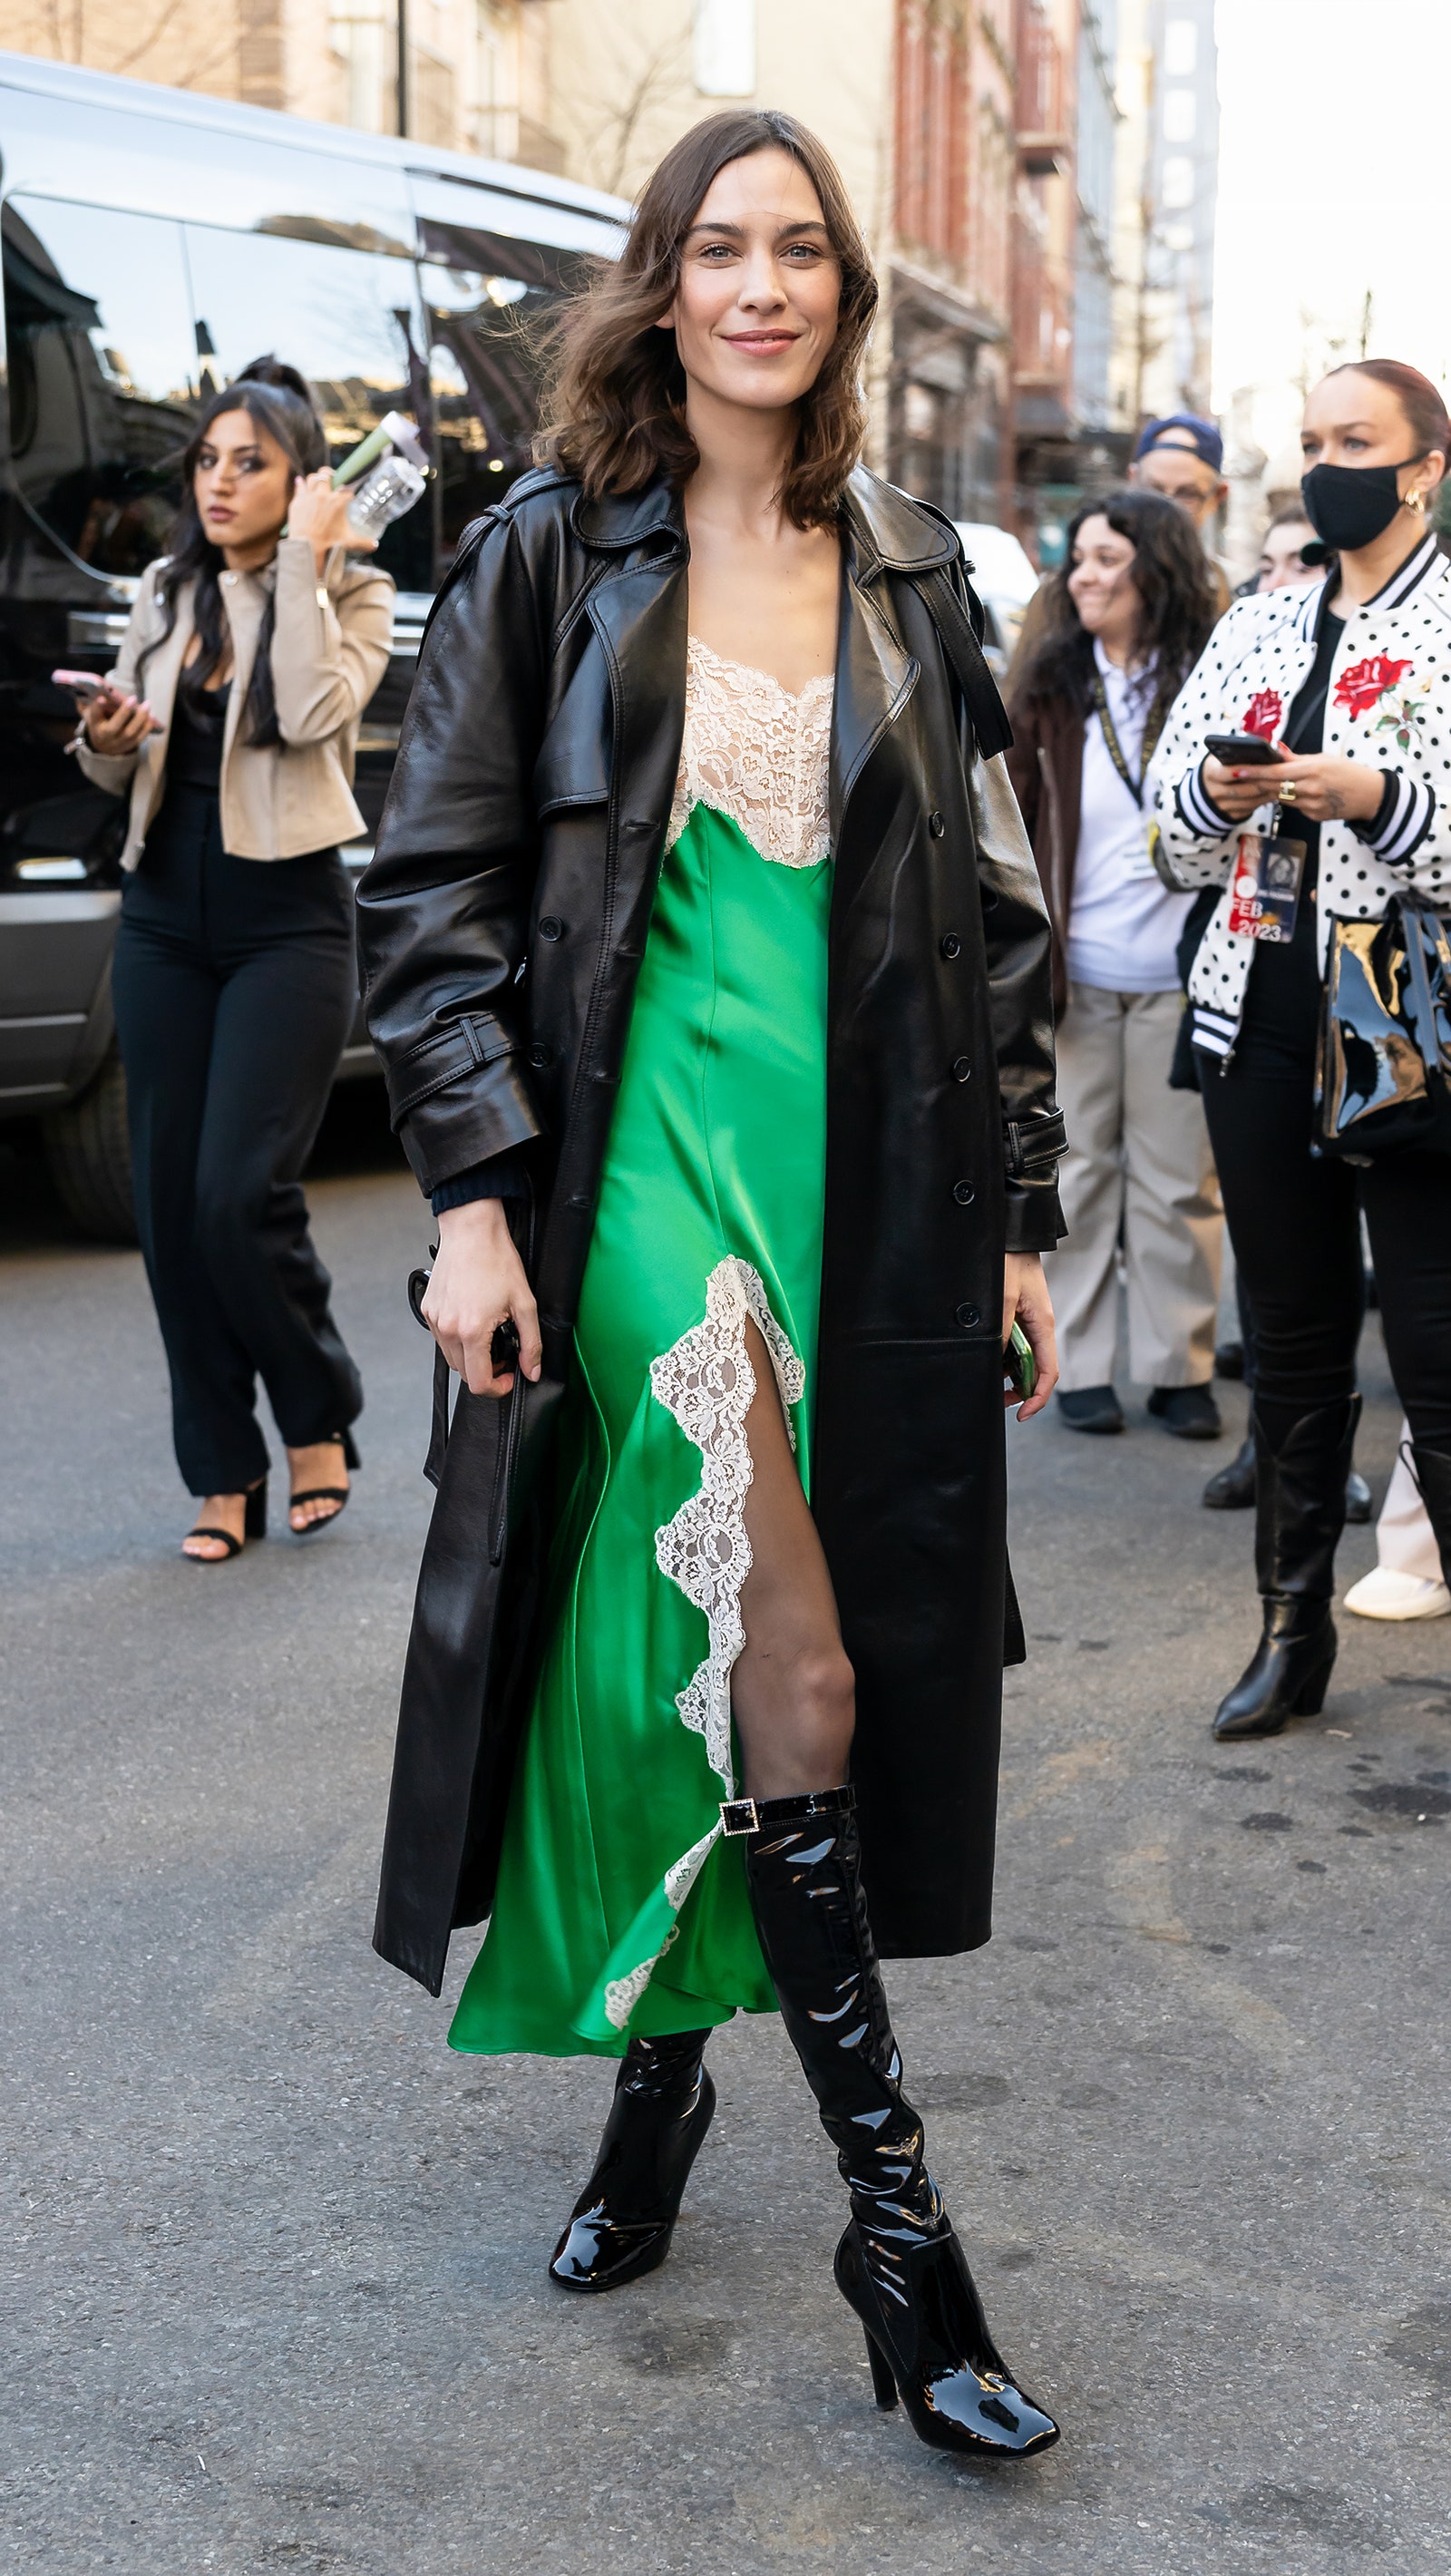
point(1262, 715)
point(1358, 688)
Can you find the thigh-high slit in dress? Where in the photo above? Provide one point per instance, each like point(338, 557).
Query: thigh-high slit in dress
point(620, 1909)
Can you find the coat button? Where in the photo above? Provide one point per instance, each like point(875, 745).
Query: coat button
point(936, 826)
point(549, 928)
point(969, 1317)
point(950, 945)
point(964, 1193)
point(962, 1068)
point(541, 1058)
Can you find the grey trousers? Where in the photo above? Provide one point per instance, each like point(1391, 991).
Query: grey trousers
point(1138, 1168)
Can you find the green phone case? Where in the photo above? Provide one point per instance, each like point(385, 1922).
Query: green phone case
point(1019, 1363)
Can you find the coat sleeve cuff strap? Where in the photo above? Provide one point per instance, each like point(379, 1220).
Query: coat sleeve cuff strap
point(465, 1045)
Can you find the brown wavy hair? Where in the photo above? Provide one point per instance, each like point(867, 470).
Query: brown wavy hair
point(615, 404)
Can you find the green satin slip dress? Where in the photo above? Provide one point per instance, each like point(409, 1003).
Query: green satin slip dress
point(620, 1907)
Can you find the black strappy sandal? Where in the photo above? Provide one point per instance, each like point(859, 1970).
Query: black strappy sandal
point(254, 1525)
point(326, 1493)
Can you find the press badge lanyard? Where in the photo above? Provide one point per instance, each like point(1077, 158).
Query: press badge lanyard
point(1114, 747)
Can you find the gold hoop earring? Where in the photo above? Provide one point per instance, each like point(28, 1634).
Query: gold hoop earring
point(1416, 503)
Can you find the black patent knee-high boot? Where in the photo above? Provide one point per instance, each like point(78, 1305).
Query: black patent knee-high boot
point(624, 2217)
point(1299, 1515)
point(1431, 1469)
point(899, 2264)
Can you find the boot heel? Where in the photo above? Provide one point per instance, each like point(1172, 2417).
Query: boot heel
point(1312, 1698)
point(884, 2384)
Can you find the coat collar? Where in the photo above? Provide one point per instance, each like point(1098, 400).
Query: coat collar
point(617, 521)
point(891, 532)
point(1412, 575)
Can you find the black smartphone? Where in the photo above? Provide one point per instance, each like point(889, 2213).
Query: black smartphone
point(1242, 750)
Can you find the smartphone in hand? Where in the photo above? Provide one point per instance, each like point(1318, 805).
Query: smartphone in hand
point(1242, 750)
point(1020, 1369)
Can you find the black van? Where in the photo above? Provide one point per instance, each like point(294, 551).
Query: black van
point(153, 242)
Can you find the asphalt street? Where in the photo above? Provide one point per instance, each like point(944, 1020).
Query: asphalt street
point(275, 2259)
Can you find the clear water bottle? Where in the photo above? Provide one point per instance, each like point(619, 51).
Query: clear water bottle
point(389, 488)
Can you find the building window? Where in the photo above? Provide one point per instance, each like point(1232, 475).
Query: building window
point(363, 47)
point(496, 80)
point(1177, 187)
point(1179, 116)
point(1181, 49)
point(725, 48)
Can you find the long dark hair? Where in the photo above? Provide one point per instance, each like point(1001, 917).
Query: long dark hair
point(615, 412)
point(1171, 576)
point(276, 398)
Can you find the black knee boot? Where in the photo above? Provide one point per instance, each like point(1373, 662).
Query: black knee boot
point(1302, 1462)
point(1431, 1469)
point(899, 2264)
point(626, 2213)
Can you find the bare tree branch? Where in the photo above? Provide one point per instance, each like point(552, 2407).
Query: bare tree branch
point(156, 31)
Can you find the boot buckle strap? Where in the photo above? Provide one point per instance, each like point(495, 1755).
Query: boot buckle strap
point(738, 1816)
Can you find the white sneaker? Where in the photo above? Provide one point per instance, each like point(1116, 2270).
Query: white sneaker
point(1385, 1594)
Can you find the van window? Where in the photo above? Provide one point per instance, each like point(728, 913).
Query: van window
point(487, 348)
point(102, 374)
point(346, 318)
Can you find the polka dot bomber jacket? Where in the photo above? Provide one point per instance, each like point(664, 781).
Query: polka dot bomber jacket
point(1389, 703)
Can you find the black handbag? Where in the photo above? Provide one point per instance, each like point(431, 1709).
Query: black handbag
point(1383, 1078)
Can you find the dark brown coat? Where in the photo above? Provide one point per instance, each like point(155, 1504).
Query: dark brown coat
point(1045, 765)
point(503, 922)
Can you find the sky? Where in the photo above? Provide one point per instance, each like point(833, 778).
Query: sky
point(1334, 178)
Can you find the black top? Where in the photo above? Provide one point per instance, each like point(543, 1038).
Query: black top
point(198, 722)
point(1281, 1019)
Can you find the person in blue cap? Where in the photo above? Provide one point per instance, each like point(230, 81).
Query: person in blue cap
point(1182, 457)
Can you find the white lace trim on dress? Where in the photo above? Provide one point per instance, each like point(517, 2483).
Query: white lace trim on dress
point(706, 1382)
point(758, 755)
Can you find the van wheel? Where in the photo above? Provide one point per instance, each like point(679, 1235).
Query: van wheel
point(89, 1154)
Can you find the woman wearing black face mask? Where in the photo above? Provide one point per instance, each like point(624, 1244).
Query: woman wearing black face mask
point(1351, 682)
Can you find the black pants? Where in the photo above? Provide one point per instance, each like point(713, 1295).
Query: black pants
point(1294, 1223)
point(235, 985)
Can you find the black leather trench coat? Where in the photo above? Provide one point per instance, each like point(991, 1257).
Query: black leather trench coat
point(503, 920)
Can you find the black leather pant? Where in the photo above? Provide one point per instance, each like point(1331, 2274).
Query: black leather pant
point(1294, 1224)
point(234, 984)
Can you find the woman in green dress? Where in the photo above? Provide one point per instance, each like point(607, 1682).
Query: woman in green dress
point(673, 1832)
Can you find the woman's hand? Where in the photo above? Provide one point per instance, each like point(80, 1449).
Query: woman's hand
point(1026, 1301)
point(1236, 793)
point(320, 514)
point(116, 725)
point(1326, 790)
point(477, 1284)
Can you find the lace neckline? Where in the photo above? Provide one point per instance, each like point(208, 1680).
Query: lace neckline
point(759, 754)
point(706, 656)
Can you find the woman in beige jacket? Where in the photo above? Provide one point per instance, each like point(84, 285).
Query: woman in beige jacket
point(234, 976)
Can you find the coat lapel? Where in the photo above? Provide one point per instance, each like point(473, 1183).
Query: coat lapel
point(641, 619)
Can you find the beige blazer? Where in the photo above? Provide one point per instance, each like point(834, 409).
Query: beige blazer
point(329, 651)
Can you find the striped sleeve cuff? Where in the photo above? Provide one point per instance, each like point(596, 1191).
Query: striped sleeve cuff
point(1213, 1030)
point(1195, 811)
point(1401, 821)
